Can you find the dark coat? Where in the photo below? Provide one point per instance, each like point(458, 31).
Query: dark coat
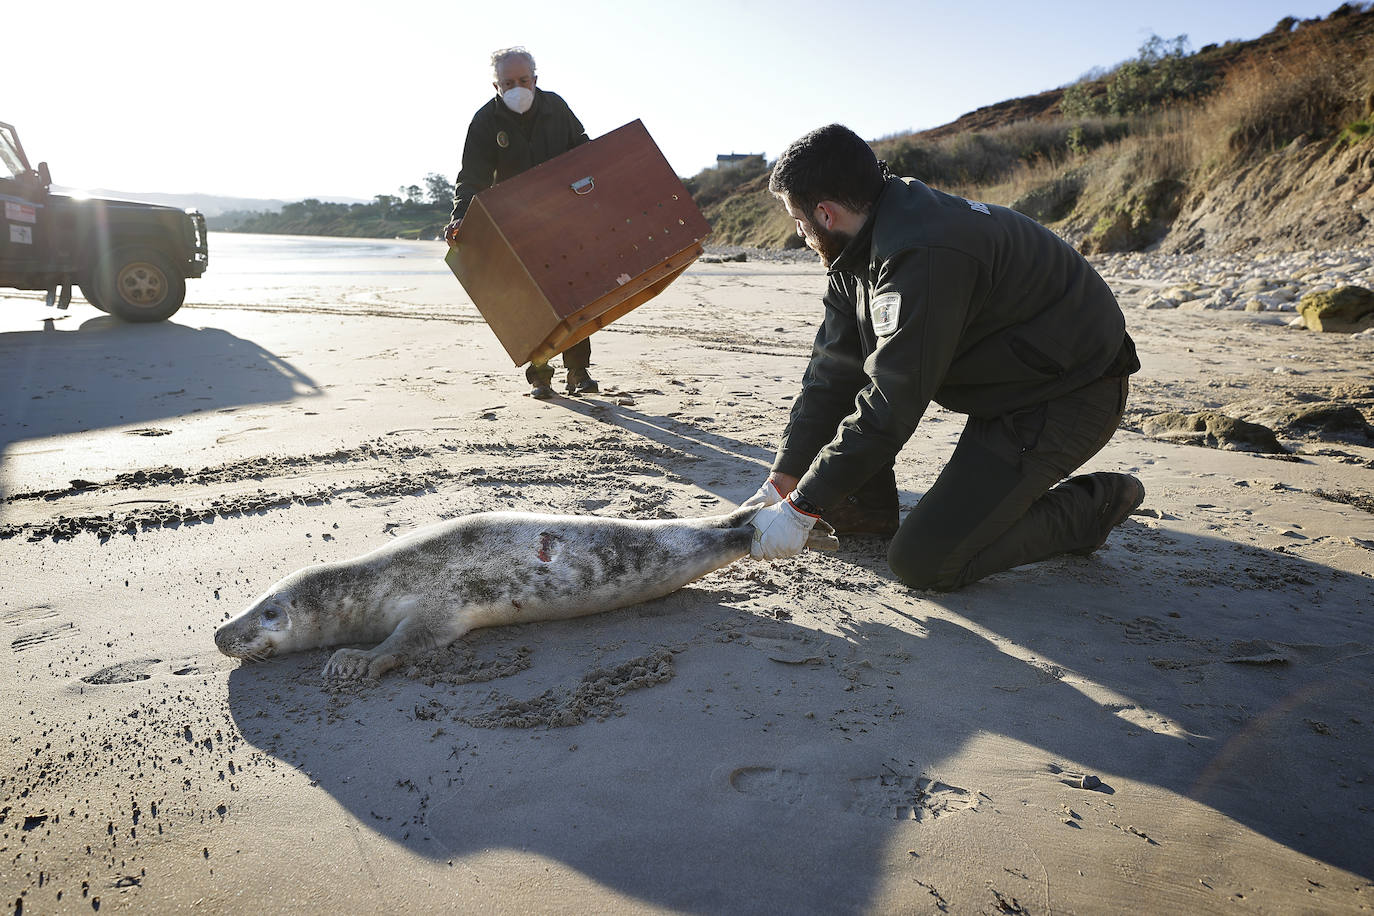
point(501, 143)
point(976, 307)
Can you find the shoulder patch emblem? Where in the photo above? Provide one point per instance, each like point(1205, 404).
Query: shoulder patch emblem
point(975, 205)
point(886, 311)
point(502, 140)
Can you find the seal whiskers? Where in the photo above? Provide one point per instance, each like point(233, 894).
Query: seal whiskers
point(426, 589)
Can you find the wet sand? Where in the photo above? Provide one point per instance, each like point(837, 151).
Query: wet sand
point(804, 736)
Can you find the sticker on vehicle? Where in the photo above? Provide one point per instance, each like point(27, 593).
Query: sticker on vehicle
point(20, 213)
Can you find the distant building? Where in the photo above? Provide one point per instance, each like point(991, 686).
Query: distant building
point(735, 160)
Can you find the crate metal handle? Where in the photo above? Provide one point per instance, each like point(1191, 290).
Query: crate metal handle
point(583, 186)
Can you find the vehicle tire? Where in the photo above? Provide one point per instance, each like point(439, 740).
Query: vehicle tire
point(138, 284)
point(92, 294)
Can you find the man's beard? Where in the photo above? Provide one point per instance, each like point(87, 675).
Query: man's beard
point(828, 243)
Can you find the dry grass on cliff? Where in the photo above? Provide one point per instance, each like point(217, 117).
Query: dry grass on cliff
point(1313, 88)
point(1117, 182)
point(1125, 193)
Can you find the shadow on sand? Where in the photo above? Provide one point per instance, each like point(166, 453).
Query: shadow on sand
point(110, 373)
point(797, 780)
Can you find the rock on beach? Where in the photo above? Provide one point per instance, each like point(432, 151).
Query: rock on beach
point(1254, 282)
point(1347, 308)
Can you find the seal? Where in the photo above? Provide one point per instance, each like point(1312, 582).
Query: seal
point(424, 590)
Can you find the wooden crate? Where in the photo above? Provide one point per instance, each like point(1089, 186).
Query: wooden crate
point(565, 248)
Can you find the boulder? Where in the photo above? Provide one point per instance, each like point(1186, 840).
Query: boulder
point(1341, 422)
point(1215, 430)
point(1345, 309)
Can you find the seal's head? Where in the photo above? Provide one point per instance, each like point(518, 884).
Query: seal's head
point(258, 632)
point(284, 619)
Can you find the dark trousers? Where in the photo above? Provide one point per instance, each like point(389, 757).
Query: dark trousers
point(1000, 502)
point(576, 359)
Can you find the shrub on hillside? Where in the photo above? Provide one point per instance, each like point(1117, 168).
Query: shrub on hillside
point(989, 157)
point(1136, 190)
point(1163, 72)
point(713, 185)
point(751, 217)
point(1315, 87)
point(1052, 200)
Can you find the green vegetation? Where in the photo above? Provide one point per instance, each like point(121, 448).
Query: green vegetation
point(414, 213)
point(713, 185)
point(1164, 73)
point(1357, 131)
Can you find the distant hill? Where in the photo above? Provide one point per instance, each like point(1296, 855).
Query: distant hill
point(221, 213)
point(1263, 143)
point(383, 217)
point(209, 204)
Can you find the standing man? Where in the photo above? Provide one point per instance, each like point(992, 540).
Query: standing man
point(978, 308)
point(518, 129)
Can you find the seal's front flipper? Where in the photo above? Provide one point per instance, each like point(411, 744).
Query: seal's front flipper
point(407, 639)
point(352, 664)
point(822, 537)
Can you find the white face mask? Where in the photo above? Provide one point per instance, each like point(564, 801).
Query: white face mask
point(518, 99)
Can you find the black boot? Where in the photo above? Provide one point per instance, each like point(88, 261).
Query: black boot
point(858, 517)
point(579, 382)
point(1118, 496)
point(540, 377)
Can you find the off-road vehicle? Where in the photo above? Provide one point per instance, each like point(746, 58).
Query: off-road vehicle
point(131, 259)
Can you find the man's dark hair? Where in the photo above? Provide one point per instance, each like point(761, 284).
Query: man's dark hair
point(829, 163)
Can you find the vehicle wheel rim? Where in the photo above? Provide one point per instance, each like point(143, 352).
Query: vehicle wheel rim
point(142, 284)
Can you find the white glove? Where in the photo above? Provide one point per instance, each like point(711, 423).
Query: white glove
point(767, 495)
point(780, 530)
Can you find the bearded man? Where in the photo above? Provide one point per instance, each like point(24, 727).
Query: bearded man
point(933, 297)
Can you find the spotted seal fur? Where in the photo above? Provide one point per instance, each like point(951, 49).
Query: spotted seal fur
point(424, 590)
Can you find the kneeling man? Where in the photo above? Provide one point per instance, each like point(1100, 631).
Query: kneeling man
point(976, 307)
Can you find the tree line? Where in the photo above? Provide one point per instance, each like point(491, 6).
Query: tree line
point(415, 211)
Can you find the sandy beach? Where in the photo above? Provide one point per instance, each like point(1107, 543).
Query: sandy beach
point(1182, 722)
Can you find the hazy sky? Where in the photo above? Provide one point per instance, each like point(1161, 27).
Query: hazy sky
point(295, 99)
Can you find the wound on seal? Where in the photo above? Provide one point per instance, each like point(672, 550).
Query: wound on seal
point(546, 541)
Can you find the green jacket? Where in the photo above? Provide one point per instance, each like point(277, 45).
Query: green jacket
point(937, 298)
point(501, 143)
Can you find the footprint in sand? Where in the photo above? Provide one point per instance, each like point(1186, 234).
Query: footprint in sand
point(888, 796)
point(39, 614)
point(140, 670)
point(124, 672)
point(29, 640)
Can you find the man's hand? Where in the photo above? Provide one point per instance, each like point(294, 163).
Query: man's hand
point(451, 233)
point(773, 490)
point(780, 530)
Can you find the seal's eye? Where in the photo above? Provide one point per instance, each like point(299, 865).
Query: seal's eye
point(274, 617)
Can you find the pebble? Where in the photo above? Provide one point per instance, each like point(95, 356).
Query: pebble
point(1271, 281)
point(1241, 281)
